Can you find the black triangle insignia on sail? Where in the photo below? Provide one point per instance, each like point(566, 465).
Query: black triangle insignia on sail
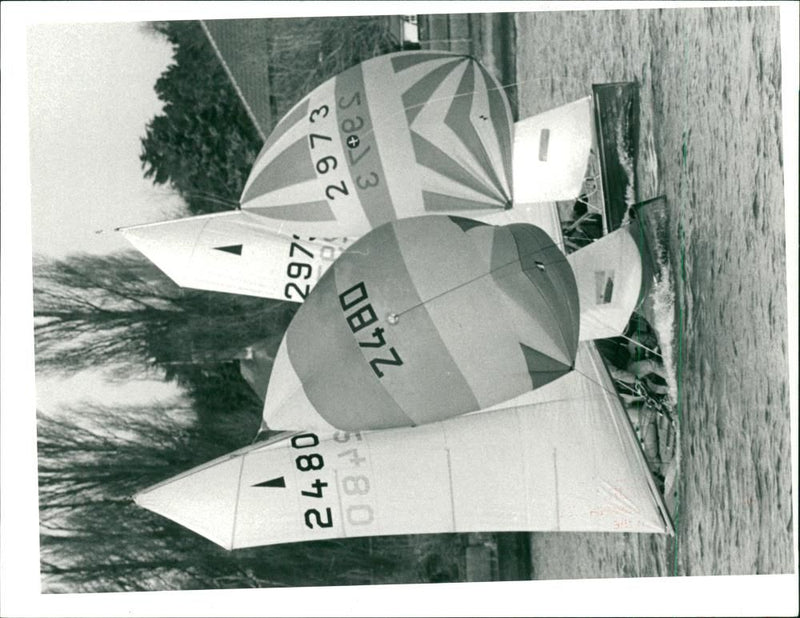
point(235, 249)
point(276, 482)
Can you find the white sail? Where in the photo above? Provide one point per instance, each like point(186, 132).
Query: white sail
point(236, 252)
point(551, 152)
point(613, 277)
point(201, 252)
point(563, 457)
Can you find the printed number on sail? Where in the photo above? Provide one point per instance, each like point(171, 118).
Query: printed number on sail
point(356, 485)
point(361, 316)
point(299, 266)
point(307, 462)
point(357, 149)
point(327, 162)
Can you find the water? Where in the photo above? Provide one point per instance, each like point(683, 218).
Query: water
point(711, 142)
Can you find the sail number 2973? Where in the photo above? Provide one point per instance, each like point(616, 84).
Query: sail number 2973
point(354, 131)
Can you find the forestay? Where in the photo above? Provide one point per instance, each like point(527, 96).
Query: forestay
point(423, 319)
point(397, 136)
point(562, 458)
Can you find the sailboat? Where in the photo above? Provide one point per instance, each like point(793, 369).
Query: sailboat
point(560, 457)
point(251, 251)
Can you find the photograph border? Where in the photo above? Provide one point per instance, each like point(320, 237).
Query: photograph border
point(19, 558)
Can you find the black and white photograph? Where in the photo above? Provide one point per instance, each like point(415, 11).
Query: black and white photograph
point(399, 308)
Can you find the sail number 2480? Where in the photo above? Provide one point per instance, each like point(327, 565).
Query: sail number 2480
point(355, 485)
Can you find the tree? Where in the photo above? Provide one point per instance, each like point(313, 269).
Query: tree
point(305, 52)
point(203, 144)
point(94, 538)
point(95, 310)
point(120, 312)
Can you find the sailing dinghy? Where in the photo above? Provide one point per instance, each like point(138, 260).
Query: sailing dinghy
point(561, 458)
point(247, 253)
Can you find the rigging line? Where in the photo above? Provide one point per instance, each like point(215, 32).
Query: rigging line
point(644, 347)
point(482, 275)
point(611, 391)
point(213, 197)
point(251, 114)
point(506, 405)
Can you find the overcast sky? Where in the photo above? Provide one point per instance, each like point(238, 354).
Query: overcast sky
point(91, 95)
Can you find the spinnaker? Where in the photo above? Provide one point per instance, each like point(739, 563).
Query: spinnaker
point(550, 152)
point(422, 319)
point(396, 136)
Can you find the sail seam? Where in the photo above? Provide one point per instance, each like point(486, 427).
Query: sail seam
point(555, 479)
point(452, 496)
point(236, 504)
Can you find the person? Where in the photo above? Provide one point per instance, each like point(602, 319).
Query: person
point(652, 373)
point(639, 385)
point(582, 227)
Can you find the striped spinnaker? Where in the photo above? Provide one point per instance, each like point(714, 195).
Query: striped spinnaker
point(423, 319)
point(397, 136)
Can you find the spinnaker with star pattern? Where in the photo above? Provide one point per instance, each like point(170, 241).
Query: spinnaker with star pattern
point(400, 135)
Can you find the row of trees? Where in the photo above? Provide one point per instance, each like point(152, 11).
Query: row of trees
point(94, 538)
point(119, 312)
point(203, 144)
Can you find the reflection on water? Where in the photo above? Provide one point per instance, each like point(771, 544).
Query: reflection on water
point(710, 140)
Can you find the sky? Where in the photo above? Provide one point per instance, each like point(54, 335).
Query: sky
point(90, 96)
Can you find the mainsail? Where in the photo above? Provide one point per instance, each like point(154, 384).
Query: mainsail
point(423, 319)
point(551, 153)
point(562, 458)
point(400, 135)
point(614, 274)
point(235, 252)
